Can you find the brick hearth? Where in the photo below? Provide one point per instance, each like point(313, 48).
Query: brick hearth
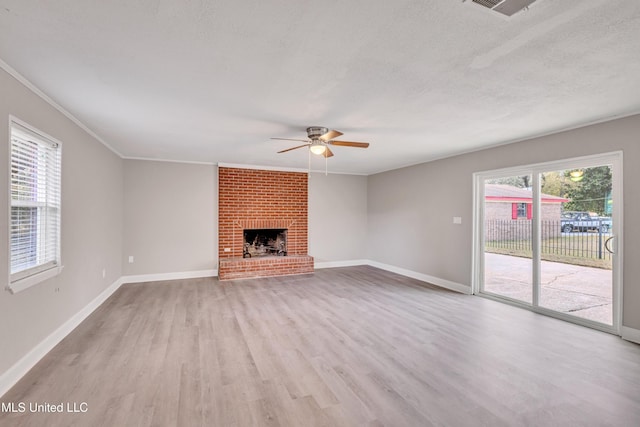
point(257, 199)
point(244, 268)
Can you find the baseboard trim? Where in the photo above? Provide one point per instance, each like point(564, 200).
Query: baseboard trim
point(337, 264)
point(447, 284)
point(9, 378)
point(443, 283)
point(631, 334)
point(160, 277)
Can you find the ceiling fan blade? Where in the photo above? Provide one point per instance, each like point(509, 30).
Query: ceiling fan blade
point(293, 148)
point(327, 153)
point(330, 135)
point(291, 139)
point(349, 144)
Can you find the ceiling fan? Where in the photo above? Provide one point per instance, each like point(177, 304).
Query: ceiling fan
point(319, 140)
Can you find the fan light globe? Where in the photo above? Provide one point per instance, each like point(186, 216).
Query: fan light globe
point(318, 149)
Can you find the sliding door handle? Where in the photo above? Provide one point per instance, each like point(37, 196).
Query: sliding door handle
point(606, 245)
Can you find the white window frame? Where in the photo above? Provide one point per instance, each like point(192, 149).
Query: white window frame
point(52, 201)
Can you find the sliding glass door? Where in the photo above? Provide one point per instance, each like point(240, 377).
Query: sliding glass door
point(547, 238)
point(507, 235)
point(576, 271)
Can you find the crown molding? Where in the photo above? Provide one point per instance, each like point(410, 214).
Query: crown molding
point(33, 88)
point(261, 167)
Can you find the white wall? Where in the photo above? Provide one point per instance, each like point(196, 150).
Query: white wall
point(410, 210)
point(91, 239)
point(170, 223)
point(337, 217)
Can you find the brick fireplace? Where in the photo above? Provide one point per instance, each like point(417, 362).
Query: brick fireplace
point(250, 200)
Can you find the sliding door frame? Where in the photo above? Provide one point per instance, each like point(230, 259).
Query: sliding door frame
point(477, 280)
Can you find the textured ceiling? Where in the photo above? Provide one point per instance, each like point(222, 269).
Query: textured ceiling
point(212, 81)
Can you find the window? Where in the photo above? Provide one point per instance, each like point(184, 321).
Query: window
point(34, 225)
point(521, 210)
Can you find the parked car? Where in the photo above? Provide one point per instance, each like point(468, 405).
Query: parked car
point(584, 221)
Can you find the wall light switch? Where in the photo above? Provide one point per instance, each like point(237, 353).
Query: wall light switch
point(130, 259)
point(457, 220)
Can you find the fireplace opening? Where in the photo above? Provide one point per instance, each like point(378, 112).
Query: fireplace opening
point(264, 242)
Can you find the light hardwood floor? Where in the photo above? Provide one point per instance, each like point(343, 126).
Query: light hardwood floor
point(342, 347)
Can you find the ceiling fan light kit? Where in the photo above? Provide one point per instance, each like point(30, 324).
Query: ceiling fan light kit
point(318, 148)
point(319, 139)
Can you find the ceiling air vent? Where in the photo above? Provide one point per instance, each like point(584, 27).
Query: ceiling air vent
point(505, 7)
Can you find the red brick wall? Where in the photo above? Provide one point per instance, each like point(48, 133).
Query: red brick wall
point(251, 198)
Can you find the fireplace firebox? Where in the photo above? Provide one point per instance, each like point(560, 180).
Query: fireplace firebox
point(264, 242)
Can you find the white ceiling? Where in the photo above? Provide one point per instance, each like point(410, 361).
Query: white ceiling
point(212, 81)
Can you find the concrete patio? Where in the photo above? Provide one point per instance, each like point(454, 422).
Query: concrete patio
point(580, 291)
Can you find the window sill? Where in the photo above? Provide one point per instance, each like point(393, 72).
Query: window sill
point(27, 282)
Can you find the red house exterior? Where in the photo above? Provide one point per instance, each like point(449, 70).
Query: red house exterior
point(507, 202)
point(508, 211)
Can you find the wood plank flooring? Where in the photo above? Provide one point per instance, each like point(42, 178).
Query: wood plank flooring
point(352, 346)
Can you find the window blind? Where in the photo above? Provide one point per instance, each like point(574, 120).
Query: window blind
point(35, 203)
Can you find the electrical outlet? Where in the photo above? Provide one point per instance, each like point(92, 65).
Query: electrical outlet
point(104, 273)
point(227, 249)
point(457, 220)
